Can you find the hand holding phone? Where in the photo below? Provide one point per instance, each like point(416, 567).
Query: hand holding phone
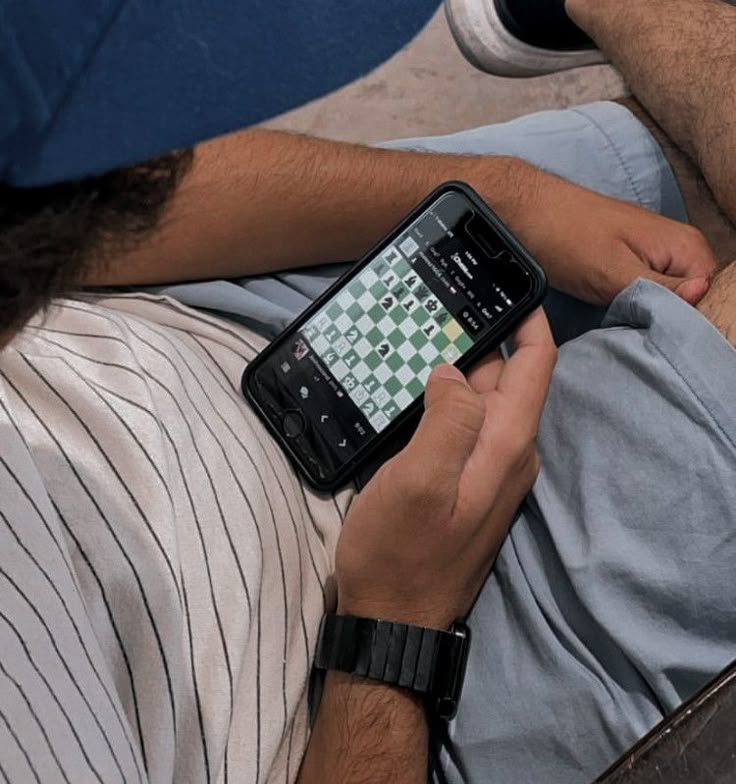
point(419, 541)
point(446, 286)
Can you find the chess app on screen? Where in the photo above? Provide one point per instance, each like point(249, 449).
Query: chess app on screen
point(364, 355)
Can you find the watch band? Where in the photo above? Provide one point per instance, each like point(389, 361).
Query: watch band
point(428, 661)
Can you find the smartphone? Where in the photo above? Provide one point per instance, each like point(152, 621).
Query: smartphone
point(449, 284)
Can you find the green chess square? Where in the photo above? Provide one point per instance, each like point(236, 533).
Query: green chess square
point(392, 385)
point(418, 340)
point(394, 361)
point(356, 288)
point(396, 338)
point(355, 312)
point(374, 336)
point(419, 316)
point(402, 268)
point(416, 364)
point(373, 360)
point(397, 314)
point(440, 341)
point(334, 311)
point(464, 342)
point(376, 313)
point(351, 359)
point(378, 289)
point(415, 388)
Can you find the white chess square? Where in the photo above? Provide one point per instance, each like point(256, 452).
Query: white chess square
point(409, 246)
point(345, 300)
point(423, 375)
point(432, 304)
point(408, 328)
point(404, 375)
point(366, 300)
point(359, 395)
point(362, 348)
point(341, 345)
point(361, 371)
point(323, 321)
point(364, 324)
point(379, 422)
point(403, 399)
point(406, 351)
point(320, 345)
point(451, 353)
point(390, 279)
point(339, 370)
point(343, 322)
point(368, 277)
point(386, 325)
point(412, 279)
point(391, 256)
point(381, 397)
point(410, 304)
point(428, 352)
point(382, 373)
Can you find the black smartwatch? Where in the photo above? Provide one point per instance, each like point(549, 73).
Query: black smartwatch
point(428, 661)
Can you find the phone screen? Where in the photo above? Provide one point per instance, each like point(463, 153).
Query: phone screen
point(364, 356)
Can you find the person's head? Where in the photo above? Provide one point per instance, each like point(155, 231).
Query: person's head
point(88, 89)
point(50, 236)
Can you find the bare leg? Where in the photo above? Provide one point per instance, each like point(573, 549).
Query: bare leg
point(719, 304)
point(679, 59)
point(702, 209)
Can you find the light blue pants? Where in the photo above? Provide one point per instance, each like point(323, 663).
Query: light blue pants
point(613, 597)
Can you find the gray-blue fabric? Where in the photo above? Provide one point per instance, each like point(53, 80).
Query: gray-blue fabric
point(612, 599)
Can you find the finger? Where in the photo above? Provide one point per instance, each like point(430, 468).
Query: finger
point(449, 428)
point(485, 374)
point(681, 252)
point(692, 290)
point(527, 374)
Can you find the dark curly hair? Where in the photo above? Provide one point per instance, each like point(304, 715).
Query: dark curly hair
point(50, 236)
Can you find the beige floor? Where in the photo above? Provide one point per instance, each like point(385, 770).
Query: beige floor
point(429, 88)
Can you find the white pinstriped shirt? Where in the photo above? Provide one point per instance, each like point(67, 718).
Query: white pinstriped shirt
point(162, 571)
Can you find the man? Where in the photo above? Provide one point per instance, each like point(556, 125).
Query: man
point(164, 571)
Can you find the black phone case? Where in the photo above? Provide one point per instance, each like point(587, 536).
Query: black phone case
point(398, 432)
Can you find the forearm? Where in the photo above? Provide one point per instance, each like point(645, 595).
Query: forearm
point(259, 201)
point(679, 59)
point(366, 732)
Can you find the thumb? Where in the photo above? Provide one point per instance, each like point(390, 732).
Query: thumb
point(449, 429)
point(692, 290)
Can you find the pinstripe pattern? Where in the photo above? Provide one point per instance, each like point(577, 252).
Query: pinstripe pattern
point(162, 571)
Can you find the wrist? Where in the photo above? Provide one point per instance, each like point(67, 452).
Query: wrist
point(430, 616)
point(511, 187)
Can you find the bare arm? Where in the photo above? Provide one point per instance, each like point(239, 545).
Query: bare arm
point(258, 201)
point(366, 732)
point(679, 59)
point(418, 542)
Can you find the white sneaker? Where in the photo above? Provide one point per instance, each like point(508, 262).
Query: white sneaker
point(519, 37)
